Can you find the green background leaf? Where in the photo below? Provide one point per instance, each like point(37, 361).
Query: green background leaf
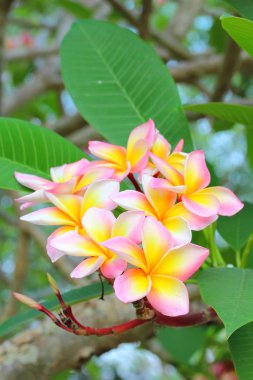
point(234, 113)
point(32, 149)
point(174, 341)
point(118, 82)
point(71, 297)
point(237, 229)
point(241, 30)
point(229, 292)
point(244, 7)
point(241, 346)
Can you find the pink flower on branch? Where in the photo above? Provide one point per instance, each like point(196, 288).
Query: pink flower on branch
point(161, 268)
point(100, 225)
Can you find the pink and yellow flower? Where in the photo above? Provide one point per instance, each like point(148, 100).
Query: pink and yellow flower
point(68, 210)
point(191, 185)
point(161, 269)
point(100, 225)
point(132, 159)
point(66, 179)
point(157, 203)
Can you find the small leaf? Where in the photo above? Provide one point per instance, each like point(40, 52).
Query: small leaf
point(71, 297)
point(241, 346)
point(234, 113)
point(117, 82)
point(241, 30)
point(28, 148)
point(229, 292)
point(237, 229)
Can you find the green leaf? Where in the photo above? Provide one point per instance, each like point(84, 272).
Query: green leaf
point(244, 7)
point(28, 148)
point(229, 112)
point(173, 340)
point(229, 292)
point(75, 8)
point(241, 30)
point(237, 229)
point(117, 82)
point(241, 347)
point(71, 297)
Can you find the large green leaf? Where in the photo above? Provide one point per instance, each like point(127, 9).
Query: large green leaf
point(241, 346)
point(234, 113)
point(229, 292)
point(174, 341)
point(244, 7)
point(31, 149)
point(241, 30)
point(117, 82)
point(71, 297)
point(237, 229)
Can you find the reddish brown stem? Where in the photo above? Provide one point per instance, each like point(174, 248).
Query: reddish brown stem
point(187, 320)
point(134, 182)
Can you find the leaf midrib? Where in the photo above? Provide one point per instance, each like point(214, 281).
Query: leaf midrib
point(117, 81)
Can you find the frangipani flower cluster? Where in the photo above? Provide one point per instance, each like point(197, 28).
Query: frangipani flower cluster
point(146, 250)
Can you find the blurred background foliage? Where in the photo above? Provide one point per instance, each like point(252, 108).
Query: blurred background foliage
point(207, 67)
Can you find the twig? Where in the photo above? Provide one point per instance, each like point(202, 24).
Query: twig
point(144, 27)
point(227, 70)
point(166, 41)
point(30, 53)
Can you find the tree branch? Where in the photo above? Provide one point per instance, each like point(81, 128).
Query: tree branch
point(144, 27)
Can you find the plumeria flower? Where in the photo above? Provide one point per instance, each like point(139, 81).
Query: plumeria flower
point(162, 149)
point(156, 202)
point(132, 159)
point(66, 179)
point(100, 225)
point(68, 210)
point(196, 197)
point(161, 268)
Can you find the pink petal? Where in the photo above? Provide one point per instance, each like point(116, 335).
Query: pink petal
point(161, 147)
point(160, 199)
point(65, 172)
point(93, 174)
point(100, 194)
point(134, 201)
point(132, 286)
point(156, 241)
point(108, 152)
point(179, 229)
point(169, 172)
point(113, 268)
point(144, 131)
point(34, 198)
point(182, 262)
point(98, 223)
point(74, 244)
point(52, 252)
point(138, 156)
point(229, 203)
point(179, 147)
point(129, 224)
point(196, 222)
point(197, 175)
point(127, 250)
point(168, 296)
point(204, 205)
point(69, 204)
point(161, 183)
point(87, 267)
point(177, 161)
point(50, 216)
point(33, 182)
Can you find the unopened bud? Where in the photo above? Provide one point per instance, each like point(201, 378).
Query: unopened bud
point(53, 283)
point(26, 300)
